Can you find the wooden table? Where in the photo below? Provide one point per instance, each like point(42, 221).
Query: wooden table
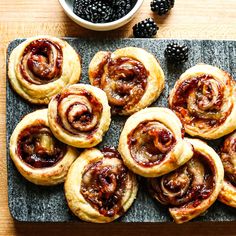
point(190, 19)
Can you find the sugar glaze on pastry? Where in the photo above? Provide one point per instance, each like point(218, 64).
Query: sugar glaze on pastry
point(151, 143)
point(228, 157)
point(37, 154)
point(99, 188)
point(41, 67)
point(204, 98)
point(131, 77)
point(192, 188)
point(79, 115)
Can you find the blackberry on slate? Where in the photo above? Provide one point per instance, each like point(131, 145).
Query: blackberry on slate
point(176, 53)
point(145, 29)
point(161, 7)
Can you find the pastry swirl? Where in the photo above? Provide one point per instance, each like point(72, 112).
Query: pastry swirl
point(192, 188)
point(99, 188)
point(37, 154)
point(204, 99)
point(131, 77)
point(228, 158)
point(151, 143)
point(41, 66)
point(79, 115)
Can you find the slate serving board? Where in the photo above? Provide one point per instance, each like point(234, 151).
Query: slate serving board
point(31, 203)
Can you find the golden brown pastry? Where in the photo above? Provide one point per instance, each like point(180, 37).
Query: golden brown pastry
point(228, 158)
point(99, 188)
point(131, 77)
point(37, 154)
point(151, 143)
point(41, 66)
point(191, 189)
point(204, 99)
point(79, 115)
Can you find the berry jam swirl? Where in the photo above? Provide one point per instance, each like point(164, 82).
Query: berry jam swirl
point(37, 147)
point(201, 101)
point(187, 186)
point(41, 62)
point(78, 112)
point(150, 142)
point(228, 158)
point(123, 79)
point(104, 183)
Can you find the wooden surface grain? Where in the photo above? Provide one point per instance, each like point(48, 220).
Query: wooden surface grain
point(190, 19)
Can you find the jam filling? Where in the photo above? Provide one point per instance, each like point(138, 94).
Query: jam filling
point(78, 112)
point(124, 80)
point(103, 185)
point(186, 186)
point(228, 158)
point(41, 62)
point(98, 73)
point(38, 148)
point(199, 100)
point(110, 152)
point(150, 142)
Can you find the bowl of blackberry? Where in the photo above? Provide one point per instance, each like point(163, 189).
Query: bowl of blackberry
point(101, 15)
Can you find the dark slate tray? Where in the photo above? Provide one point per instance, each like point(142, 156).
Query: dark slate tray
point(31, 203)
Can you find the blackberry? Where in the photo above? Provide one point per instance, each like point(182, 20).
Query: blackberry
point(145, 29)
point(93, 11)
point(121, 8)
point(161, 7)
point(172, 3)
point(176, 53)
point(80, 8)
point(102, 11)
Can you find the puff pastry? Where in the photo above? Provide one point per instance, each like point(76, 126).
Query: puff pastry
point(41, 66)
point(204, 99)
point(228, 158)
point(99, 188)
point(191, 189)
point(151, 143)
point(131, 77)
point(79, 115)
point(37, 154)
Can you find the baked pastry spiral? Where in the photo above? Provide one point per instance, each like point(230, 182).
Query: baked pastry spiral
point(41, 66)
point(131, 77)
point(79, 115)
point(151, 143)
point(191, 189)
point(204, 99)
point(37, 154)
point(228, 158)
point(99, 188)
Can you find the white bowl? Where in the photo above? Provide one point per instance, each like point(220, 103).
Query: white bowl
point(67, 5)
